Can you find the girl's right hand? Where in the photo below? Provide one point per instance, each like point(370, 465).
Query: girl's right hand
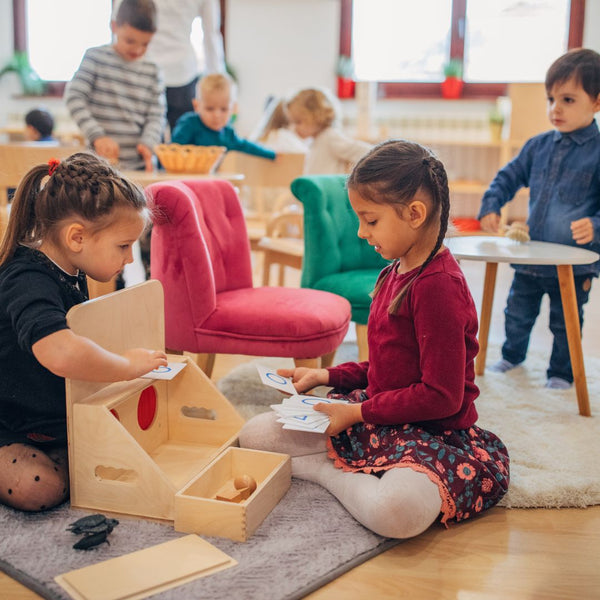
point(305, 379)
point(142, 361)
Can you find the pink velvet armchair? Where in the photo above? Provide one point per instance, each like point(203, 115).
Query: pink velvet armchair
point(201, 254)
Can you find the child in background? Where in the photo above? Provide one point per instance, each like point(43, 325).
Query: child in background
point(562, 170)
point(116, 97)
point(209, 124)
point(68, 219)
point(406, 447)
point(39, 126)
point(314, 113)
point(274, 131)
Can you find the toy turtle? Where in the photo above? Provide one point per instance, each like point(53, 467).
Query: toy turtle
point(95, 529)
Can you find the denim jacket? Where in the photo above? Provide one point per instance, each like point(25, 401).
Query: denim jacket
point(562, 171)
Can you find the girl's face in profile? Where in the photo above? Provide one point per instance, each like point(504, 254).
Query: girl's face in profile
point(106, 252)
point(302, 122)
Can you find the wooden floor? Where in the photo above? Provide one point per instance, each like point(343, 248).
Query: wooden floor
point(533, 554)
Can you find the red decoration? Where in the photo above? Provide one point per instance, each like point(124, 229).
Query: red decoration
point(452, 87)
point(345, 87)
point(52, 164)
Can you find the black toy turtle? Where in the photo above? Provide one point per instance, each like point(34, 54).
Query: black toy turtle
point(95, 529)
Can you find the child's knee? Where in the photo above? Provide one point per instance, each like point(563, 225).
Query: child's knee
point(408, 504)
point(33, 481)
point(259, 432)
point(40, 491)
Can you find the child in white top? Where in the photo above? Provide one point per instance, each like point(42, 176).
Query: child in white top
point(314, 113)
point(68, 219)
point(274, 130)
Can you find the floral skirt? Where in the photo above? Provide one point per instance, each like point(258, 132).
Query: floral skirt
point(469, 466)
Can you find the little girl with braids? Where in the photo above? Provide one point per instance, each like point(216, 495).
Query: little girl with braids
point(406, 450)
point(67, 220)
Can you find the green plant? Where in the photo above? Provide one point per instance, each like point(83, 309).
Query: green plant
point(453, 68)
point(345, 67)
point(495, 116)
point(31, 82)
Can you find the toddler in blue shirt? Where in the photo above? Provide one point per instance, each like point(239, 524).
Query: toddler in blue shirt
point(208, 124)
point(562, 170)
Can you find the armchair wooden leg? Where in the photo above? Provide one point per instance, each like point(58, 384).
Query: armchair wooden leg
point(327, 359)
point(361, 340)
point(205, 361)
point(311, 363)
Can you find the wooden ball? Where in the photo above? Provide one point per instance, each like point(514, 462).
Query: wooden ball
point(244, 481)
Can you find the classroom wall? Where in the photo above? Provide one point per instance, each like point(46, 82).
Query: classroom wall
point(275, 46)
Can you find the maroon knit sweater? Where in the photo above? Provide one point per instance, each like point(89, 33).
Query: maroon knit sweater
point(421, 360)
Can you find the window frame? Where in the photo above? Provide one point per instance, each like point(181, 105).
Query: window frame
point(414, 89)
point(56, 88)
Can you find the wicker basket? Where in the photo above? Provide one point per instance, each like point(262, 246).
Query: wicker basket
point(177, 158)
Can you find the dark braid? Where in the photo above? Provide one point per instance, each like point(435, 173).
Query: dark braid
point(82, 185)
point(392, 173)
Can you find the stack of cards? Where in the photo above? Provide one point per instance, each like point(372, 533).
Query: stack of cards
point(297, 413)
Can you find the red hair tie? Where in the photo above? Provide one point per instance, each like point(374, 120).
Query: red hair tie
point(52, 164)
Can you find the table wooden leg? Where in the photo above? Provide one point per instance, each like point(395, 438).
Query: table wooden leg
point(487, 300)
point(573, 327)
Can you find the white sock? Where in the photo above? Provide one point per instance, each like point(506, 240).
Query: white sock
point(401, 504)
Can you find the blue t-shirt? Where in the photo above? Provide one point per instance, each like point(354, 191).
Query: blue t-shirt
point(190, 129)
point(562, 171)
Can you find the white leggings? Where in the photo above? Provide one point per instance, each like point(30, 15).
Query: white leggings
point(401, 503)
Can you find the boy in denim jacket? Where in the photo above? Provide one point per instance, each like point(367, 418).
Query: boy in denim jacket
point(562, 170)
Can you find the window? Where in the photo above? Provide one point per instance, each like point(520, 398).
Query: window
point(56, 34)
point(404, 45)
point(56, 38)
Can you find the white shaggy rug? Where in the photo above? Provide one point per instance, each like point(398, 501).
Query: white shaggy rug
point(553, 461)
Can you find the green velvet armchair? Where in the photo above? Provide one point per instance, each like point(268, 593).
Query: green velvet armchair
point(335, 258)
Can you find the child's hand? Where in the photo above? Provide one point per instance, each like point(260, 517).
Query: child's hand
point(107, 147)
point(146, 154)
point(582, 230)
point(490, 222)
point(341, 416)
point(142, 361)
point(305, 379)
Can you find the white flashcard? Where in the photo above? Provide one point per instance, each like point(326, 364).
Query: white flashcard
point(270, 377)
point(168, 372)
point(299, 427)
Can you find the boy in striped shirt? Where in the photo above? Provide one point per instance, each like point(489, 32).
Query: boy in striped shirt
point(117, 97)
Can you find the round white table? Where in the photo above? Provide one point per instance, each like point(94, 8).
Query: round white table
point(495, 249)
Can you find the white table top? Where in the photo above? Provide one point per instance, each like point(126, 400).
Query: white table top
point(502, 249)
point(145, 178)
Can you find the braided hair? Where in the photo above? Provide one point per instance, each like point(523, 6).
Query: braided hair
point(392, 173)
point(83, 185)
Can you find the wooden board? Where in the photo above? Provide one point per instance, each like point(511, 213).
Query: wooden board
point(146, 572)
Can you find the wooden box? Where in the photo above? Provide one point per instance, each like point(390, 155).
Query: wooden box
point(198, 510)
point(134, 445)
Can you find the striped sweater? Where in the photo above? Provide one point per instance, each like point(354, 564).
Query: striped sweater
point(109, 96)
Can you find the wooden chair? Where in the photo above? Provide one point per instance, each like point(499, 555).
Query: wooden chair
point(16, 159)
point(335, 258)
point(283, 244)
point(265, 186)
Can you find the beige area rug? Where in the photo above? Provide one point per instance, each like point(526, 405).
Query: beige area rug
point(553, 461)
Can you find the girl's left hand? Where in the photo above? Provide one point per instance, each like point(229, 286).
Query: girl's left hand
point(341, 416)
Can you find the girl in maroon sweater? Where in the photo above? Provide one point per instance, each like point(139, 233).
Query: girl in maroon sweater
point(406, 450)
